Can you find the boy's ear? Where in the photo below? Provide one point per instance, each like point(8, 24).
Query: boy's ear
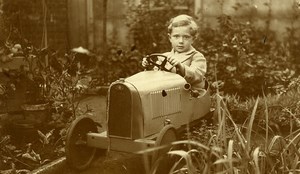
point(194, 38)
point(169, 35)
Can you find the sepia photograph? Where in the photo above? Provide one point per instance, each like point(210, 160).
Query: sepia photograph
point(149, 86)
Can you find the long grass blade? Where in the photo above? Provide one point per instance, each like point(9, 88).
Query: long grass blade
point(249, 130)
point(226, 161)
point(267, 121)
point(229, 154)
point(256, 159)
point(238, 133)
point(295, 164)
point(295, 140)
point(272, 145)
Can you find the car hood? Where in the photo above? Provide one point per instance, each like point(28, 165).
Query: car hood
point(148, 81)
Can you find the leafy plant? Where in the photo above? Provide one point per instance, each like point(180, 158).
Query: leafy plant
point(148, 23)
point(60, 82)
point(31, 156)
point(118, 62)
point(249, 60)
point(21, 19)
point(282, 109)
point(4, 153)
point(242, 149)
point(3, 96)
point(29, 74)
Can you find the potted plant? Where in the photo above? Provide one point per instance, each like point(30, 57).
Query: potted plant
point(52, 94)
point(2, 98)
point(36, 106)
point(3, 113)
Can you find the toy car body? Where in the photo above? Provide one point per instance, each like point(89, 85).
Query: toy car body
point(144, 110)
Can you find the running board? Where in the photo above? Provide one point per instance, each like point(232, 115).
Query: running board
point(100, 140)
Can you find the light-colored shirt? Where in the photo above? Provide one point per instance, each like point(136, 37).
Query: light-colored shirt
point(194, 66)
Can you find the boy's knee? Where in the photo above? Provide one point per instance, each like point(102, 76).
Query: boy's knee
point(197, 93)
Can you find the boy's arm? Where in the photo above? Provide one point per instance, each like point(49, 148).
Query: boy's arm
point(196, 71)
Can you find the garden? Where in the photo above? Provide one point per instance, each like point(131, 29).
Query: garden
point(254, 78)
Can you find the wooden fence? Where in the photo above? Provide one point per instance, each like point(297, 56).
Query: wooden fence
point(87, 20)
point(276, 15)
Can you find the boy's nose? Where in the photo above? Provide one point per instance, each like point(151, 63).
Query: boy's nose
point(180, 39)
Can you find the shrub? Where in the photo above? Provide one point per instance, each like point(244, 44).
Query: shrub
point(242, 149)
point(118, 62)
point(248, 59)
point(148, 24)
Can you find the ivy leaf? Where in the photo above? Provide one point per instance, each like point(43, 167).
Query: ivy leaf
point(227, 55)
point(248, 75)
point(45, 137)
point(231, 68)
point(32, 156)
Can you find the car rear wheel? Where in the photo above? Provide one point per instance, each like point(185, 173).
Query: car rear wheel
point(78, 154)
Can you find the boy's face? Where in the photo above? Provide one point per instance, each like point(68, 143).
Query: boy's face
point(181, 39)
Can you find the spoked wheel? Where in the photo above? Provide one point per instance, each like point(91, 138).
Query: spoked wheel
point(78, 154)
point(161, 161)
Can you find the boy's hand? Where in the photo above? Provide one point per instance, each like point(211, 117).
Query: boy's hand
point(145, 63)
point(176, 63)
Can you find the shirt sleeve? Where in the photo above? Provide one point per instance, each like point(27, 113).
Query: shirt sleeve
point(195, 73)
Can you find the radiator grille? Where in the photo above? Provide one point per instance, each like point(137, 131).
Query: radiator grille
point(119, 121)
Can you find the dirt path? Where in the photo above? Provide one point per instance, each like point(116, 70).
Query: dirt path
point(114, 163)
point(98, 104)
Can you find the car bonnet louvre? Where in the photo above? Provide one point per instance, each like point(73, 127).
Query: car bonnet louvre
point(165, 102)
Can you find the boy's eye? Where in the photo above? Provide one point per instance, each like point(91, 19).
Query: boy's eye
point(186, 37)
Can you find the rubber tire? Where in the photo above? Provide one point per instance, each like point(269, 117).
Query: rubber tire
point(161, 161)
point(80, 156)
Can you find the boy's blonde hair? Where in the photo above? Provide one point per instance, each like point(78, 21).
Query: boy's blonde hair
point(184, 20)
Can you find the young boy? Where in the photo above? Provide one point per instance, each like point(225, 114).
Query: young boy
point(184, 58)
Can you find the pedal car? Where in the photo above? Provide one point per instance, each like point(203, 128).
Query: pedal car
point(145, 110)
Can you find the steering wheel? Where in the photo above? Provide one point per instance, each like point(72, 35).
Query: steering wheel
point(153, 58)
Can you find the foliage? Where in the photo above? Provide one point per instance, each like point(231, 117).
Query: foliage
point(3, 95)
point(117, 62)
point(48, 76)
point(282, 109)
point(241, 149)
point(20, 19)
point(40, 146)
point(249, 60)
point(148, 24)
point(60, 82)
point(64, 90)
point(30, 73)
point(31, 155)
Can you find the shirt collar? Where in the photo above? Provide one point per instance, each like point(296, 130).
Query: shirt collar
point(191, 51)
